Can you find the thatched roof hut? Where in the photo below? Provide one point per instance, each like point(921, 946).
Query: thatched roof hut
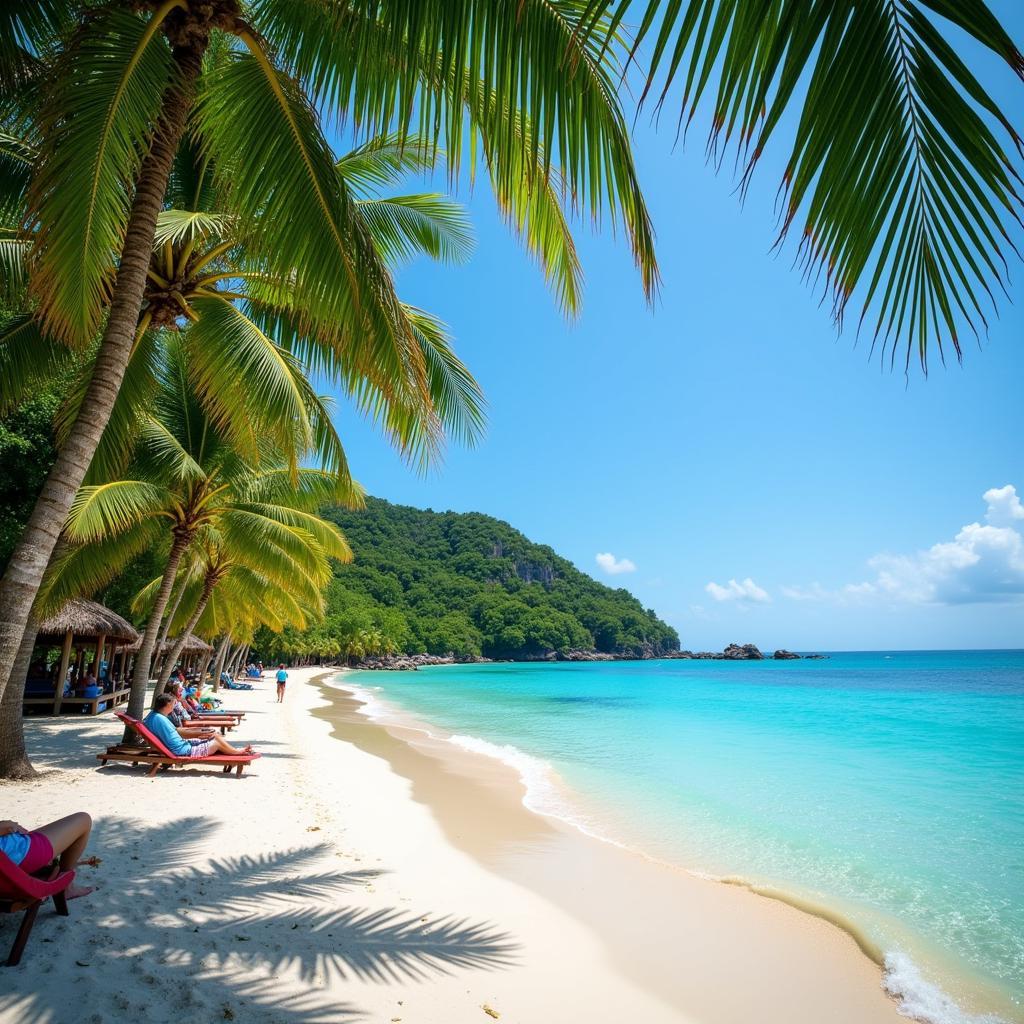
point(89, 621)
point(194, 645)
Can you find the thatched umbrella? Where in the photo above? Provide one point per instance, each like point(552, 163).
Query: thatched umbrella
point(86, 620)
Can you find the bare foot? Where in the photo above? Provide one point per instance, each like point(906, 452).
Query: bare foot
point(73, 892)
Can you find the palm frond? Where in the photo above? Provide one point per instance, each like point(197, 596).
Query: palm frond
point(403, 227)
point(130, 406)
point(535, 210)
point(456, 395)
point(308, 490)
point(13, 271)
point(269, 393)
point(27, 358)
point(165, 452)
point(414, 66)
point(17, 156)
point(179, 227)
point(326, 534)
point(26, 30)
point(95, 129)
point(82, 570)
point(386, 160)
point(288, 198)
point(110, 509)
point(897, 175)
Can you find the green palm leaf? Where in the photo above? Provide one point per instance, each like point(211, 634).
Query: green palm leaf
point(82, 570)
point(111, 509)
point(95, 128)
point(415, 66)
point(16, 159)
point(896, 174)
point(308, 490)
point(325, 533)
point(26, 29)
point(456, 395)
point(180, 227)
point(386, 160)
point(130, 406)
point(403, 227)
point(27, 358)
point(270, 396)
point(293, 205)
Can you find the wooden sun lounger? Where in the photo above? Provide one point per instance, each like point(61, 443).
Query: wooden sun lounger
point(22, 891)
point(152, 752)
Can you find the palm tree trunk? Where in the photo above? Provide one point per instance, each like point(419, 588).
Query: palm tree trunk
point(14, 762)
point(218, 666)
point(172, 658)
point(168, 618)
point(236, 662)
point(30, 558)
point(143, 660)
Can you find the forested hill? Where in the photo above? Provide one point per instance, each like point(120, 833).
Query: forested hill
point(466, 583)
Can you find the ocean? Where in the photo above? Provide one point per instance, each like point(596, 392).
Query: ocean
point(885, 788)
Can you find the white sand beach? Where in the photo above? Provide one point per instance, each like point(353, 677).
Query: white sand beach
point(363, 873)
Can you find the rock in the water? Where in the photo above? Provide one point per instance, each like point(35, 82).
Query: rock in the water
point(744, 652)
point(784, 655)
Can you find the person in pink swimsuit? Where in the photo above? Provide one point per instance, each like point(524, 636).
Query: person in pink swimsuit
point(65, 838)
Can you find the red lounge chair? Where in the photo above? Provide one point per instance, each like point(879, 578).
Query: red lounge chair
point(22, 891)
point(156, 754)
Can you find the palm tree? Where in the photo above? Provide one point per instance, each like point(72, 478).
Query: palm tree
point(269, 397)
point(128, 85)
point(247, 516)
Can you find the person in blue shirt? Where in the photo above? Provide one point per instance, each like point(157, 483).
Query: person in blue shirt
point(32, 851)
point(185, 742)
point(282, 678)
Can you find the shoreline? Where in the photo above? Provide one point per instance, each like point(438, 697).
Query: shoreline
point(796, 964)
point(899, 975)
point(393, 878)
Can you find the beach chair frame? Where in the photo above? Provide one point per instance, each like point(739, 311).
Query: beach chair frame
point(20, 891)
point(152, 752)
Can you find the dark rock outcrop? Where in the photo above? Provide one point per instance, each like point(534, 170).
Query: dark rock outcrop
point(783, 655)
point(744, 652)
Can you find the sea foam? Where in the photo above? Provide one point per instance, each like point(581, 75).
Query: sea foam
point(922, 1000)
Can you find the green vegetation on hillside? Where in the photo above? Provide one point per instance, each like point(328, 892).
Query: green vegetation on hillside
point(465, 583)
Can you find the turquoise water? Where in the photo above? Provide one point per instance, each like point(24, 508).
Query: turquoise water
point(886, 786)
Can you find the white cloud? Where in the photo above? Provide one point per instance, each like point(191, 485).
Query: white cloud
point(980, 564)
point(1004, 506)
point(607, 561)
point(748, 590)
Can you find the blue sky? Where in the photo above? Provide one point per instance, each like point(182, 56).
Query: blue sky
point(729, 434)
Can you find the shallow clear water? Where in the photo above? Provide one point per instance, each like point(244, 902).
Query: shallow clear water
point(887, 786)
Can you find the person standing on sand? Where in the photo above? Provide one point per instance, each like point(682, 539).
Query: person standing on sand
point(65, 838)
point(282, 678)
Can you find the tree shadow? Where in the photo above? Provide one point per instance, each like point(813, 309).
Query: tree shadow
point(210, 938)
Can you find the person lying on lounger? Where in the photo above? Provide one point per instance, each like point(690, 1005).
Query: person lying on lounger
point(180, 714)
point(186, 742)
point(32, 851)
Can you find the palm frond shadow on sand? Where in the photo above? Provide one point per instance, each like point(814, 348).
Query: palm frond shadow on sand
point(219, 934)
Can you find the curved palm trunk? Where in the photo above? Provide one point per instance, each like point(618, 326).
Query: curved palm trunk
point(218, 665)
point(30, 558)
point(168, 619)
point(144, 659)
point(14, 762)
point(209, 583)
